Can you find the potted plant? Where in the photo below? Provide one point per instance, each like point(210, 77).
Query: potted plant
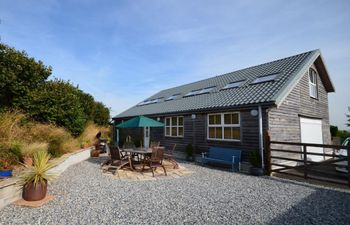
point(29, 150)
point(255, 160)
point(7, 160)
point(95, 152)
point(189, 153)
point(34, 177)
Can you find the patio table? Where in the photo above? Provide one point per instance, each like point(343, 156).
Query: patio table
point(139, 151)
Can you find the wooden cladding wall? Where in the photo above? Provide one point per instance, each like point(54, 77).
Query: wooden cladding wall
point(195, 132)
point(284, 121)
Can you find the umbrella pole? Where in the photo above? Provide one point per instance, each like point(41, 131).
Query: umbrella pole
point(144, 137)
point(117, 135)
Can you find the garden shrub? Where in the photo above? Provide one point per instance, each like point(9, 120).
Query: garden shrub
point(56, 147)
point(255, 159)
point(10, 126)
point(57, 102)
point(189, 150)
point(7, 159)
point(18, 75)
point(24, 86)
point(15, 149)
point(30, 149)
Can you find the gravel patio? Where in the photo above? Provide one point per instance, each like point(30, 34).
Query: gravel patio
point(208, 196)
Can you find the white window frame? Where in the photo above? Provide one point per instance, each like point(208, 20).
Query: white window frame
point(313, 84)
point(223, 125)
point(170, 126)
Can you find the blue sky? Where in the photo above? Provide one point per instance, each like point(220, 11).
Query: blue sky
point(124, 51)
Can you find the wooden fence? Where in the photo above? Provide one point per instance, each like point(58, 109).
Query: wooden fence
point(290, 158)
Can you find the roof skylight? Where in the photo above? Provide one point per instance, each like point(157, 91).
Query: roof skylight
point(199, 91)
point(149, 101)
point(266, 78)
point(206, 90)
point(234, 84)
point(175, 96)
point(191, 93)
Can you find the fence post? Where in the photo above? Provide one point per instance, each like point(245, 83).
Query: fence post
point(348, 151)
point(305, 162)
point(268, 153)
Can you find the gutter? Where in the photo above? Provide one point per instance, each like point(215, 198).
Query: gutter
point(199, 111)
point(261, 140)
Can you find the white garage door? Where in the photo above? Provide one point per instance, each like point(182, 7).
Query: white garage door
point(311, 132)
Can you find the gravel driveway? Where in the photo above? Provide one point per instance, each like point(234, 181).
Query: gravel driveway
point(209, 196)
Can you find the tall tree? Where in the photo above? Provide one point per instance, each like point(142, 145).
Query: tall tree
point(101, 114)
point(88, 104)
point(348, 118)
point(19, 74)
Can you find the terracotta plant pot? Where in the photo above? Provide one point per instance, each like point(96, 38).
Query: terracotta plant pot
point(33, 192)
point(28, 161)
point(95, 153)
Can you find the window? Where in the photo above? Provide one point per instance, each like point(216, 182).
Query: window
point(313, 83)
point(172, 97)
point(265, 78)
point(199, 91)
point(233, 84)
point(149, 101)
point(191, 93)
point(174, 126)
point(224, 126)
point(206, 90)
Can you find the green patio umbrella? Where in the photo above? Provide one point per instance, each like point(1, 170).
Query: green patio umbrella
point(140, 121)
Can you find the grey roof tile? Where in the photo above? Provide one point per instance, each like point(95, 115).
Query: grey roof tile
point(244, 95)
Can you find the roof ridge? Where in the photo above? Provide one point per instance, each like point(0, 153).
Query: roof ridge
point(261, 93)
point(216, 76)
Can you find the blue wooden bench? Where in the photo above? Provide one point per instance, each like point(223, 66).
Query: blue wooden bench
point(227, 156)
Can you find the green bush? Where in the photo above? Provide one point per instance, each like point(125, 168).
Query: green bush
point(7, 159)
point(101, 114)
point(19, 74)
point(334, 130)
point(255, 159)
point(56, 147)
point(24, 86)
point(57, 102)
point(16, 149)
point(343, 134)
point(189, 150)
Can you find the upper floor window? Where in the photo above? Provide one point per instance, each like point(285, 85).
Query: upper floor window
point(224, 126)
point(174, 126)
point(313, 83)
